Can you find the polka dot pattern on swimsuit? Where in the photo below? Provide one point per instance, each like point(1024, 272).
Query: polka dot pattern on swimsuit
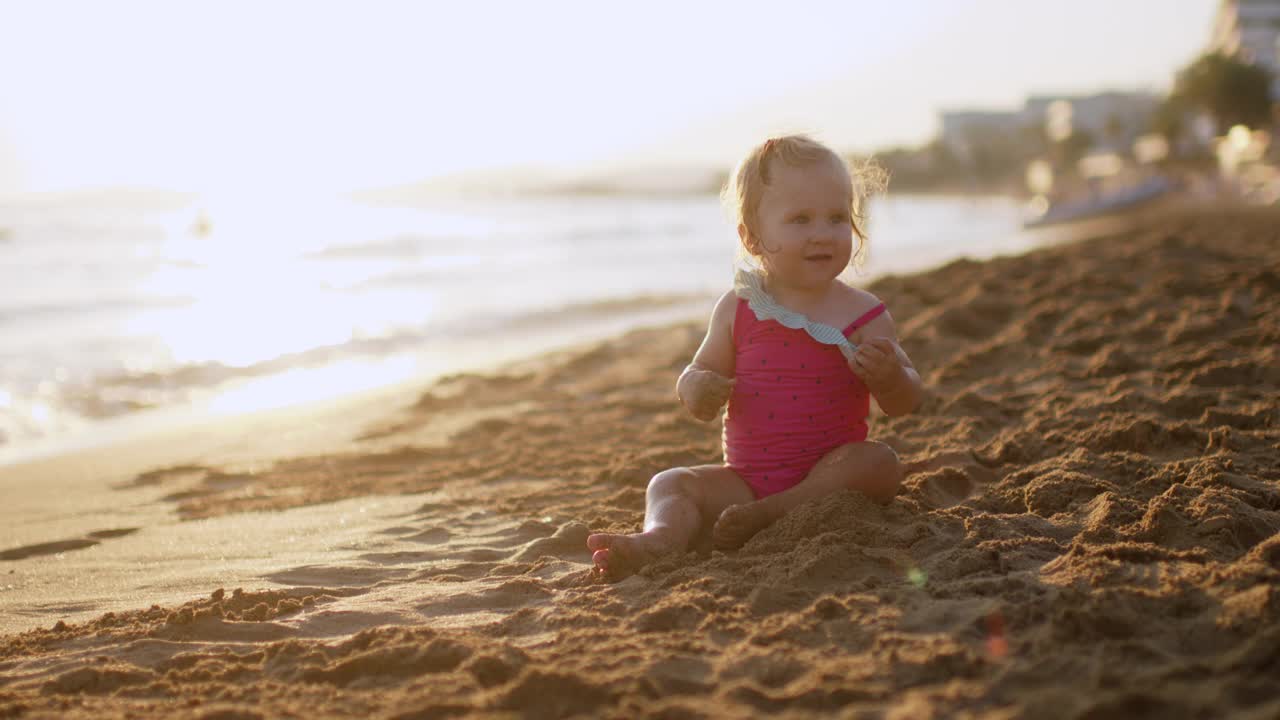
point(795, 400)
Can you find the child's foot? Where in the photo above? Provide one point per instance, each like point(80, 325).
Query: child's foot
point(619, 556)
point(739, 523)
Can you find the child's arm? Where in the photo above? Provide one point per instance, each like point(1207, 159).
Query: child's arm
point(705, 385)
point(884, 366)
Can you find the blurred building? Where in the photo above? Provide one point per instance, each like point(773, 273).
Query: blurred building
point(965, 130)
point(958, 124)
point(1250, 31)
point(1113, 120)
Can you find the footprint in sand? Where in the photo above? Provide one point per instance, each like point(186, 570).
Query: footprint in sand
point(61, 546)
point(949, 478)
point(165, 475)
point(199, 481)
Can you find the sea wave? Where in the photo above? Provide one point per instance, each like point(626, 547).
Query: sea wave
point(398, 247)
point(71, 403)
point(42, 312)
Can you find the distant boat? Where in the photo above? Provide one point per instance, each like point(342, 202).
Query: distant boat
point(1102, 203)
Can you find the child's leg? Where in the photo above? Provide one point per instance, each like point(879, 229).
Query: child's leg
point(678, 502)
point(871, 468)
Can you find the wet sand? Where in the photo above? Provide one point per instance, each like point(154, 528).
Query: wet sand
point(1089, 529)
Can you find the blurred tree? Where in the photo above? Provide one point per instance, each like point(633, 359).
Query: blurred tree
point(987, 160)
point(944, 160)
point(1033, 140)
point(1231, 91)
point(1169, 119)
point(1115, 131)
point(1067, 152)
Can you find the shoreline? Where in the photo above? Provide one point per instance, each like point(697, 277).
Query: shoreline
point(1092, 483)
point(220, 406)
point(132, 426)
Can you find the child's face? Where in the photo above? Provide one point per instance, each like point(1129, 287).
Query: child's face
point(805, 234)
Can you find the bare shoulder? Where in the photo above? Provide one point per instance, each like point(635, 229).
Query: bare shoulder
point(717, 351)
point(856, 302)
point(725, 311)
point(859, 302)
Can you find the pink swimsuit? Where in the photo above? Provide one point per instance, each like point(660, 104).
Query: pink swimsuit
point(795, 401)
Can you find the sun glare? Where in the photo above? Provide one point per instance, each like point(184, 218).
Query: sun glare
point(305, 385)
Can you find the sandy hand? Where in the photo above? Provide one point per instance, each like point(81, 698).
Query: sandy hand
point(709, 392)
point(877, 363)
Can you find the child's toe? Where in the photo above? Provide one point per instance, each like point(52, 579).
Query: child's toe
point(601, 559)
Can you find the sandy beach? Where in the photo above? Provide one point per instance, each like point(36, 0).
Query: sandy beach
point(1090, 528)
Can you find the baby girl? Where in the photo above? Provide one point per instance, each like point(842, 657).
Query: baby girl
point(797, 355)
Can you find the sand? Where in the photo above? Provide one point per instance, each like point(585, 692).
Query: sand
point(1090, 528)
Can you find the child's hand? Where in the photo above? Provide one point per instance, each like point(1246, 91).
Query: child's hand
point(710, 391)
point(876, 362)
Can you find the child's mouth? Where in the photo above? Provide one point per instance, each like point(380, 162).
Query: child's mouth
point(818, 258)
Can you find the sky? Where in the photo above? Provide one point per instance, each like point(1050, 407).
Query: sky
point(328, 97)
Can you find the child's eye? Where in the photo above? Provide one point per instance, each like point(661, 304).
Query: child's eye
point(839, 218)
point(800, 219)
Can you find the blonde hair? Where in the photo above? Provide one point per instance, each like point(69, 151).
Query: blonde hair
point(745, 187)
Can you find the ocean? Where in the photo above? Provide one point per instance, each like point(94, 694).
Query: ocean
point(112, 310)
